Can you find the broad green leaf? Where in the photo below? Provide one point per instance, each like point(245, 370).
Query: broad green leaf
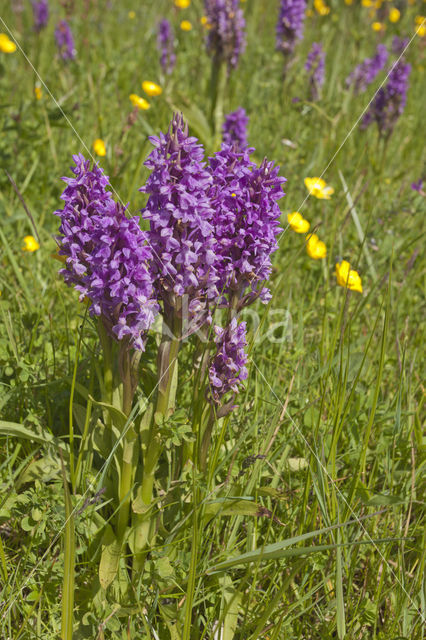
point(117, 416)
point(43, 469)
point(16, 430)
point(259, 554)
point(240, 507)
point(69, 565)
point(110, 558)
point(340, 604)
point(279, 549)
point(296, 464)
point(230, 608)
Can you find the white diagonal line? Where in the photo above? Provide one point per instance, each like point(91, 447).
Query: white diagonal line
point(70, 124)
point(133, 415)
point(339, 492)
point(350, 133)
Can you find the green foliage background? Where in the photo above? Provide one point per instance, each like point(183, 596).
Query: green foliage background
point(335, 406)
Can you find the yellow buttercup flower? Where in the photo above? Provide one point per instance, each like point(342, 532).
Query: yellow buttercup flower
point(394, 14)
point(205, 22)
point(38, 93)
point(318, 187)
point(132, 15)
point(297, 222)
point(377, 26)
point(315, 247)
point(185, 25)
point(182, 4)
point(151, 88)
point(139, 102)
point(30, 244)
point(321, 7)
point(349, 2)
point(347, 277)
point(6, 44)
point(421, 28)
point(99, 147)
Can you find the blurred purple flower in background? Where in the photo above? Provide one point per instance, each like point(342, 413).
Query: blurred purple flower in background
point(289, 27)
point(226, 36)
point(315, 64)
point(418, 186)
point(399, 45)
point(41, 14)
point(390, 100)
point(165, 46)
point(235, 129)
point(65, 40)
point(228, 366)
point(366, 72)
point(107, 256)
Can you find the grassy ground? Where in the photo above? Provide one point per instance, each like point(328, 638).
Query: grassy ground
point(333, 403)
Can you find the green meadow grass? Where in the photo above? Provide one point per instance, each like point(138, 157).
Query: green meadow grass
point(328, 434)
